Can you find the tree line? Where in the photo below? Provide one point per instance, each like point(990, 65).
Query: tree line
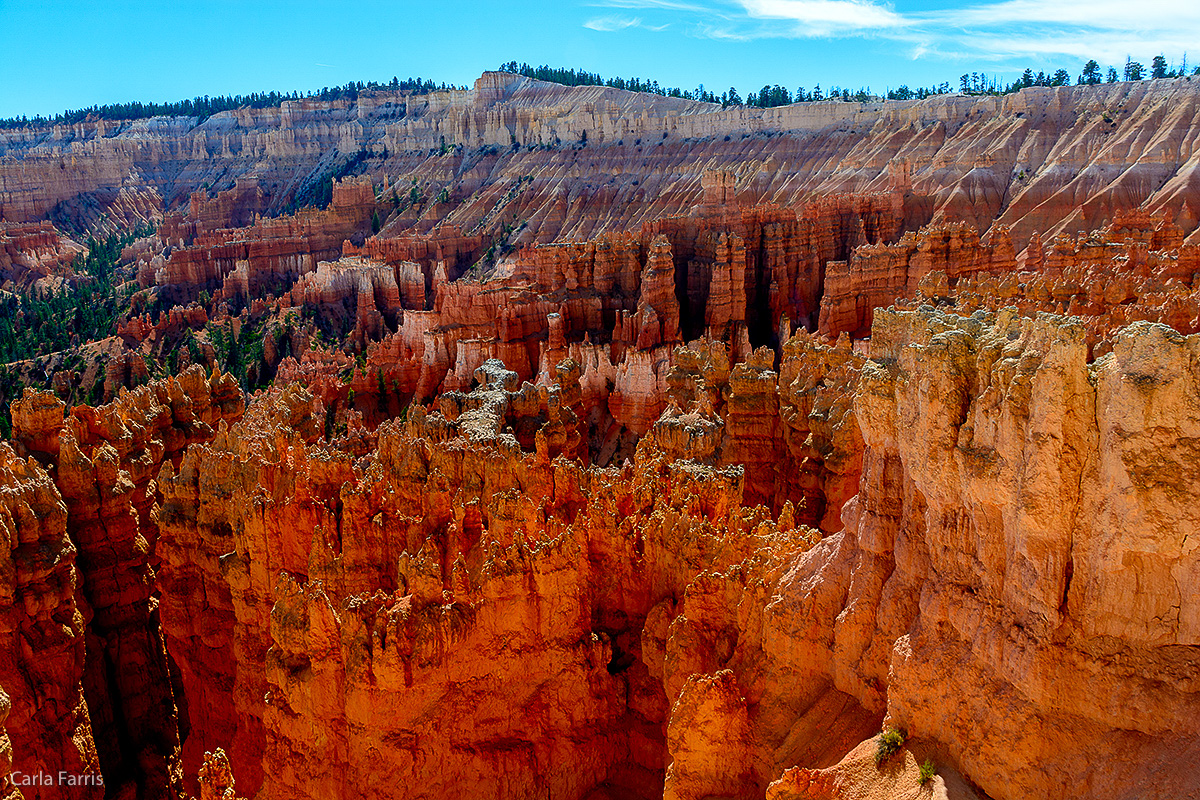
point(978, 83)
point(770, 96)
point(204, 107)
point(1136, 71)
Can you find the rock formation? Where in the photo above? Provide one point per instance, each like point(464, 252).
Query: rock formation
point(878, 275)
point(725, 667)
point(43, 630)
point(512, 150)
point(268, 255)
point(998, 544)
point(104, 463)
point(506, 557)
point(35, 254)
point(670, 452)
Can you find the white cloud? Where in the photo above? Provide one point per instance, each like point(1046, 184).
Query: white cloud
point(1106, 30)
point(1147, 15)
point(826, 15)
point(988, 32)
point(665, 5)
point(612, 23)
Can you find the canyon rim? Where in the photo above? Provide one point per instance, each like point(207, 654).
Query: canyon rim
point(531, 440)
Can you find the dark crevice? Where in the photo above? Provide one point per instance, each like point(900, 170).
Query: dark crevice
point(1068, 574)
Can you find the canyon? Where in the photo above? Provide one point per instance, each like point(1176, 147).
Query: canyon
point(593, 444)
point(572, 162)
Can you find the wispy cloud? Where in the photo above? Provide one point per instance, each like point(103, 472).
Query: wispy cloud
point(1110, 14)
point(665, 5)
point(995, 32)
point(614, 23)
point(1103, 29)
point(826, 17)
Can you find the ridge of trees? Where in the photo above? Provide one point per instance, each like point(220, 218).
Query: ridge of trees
point(204, 107)
point(770, 96)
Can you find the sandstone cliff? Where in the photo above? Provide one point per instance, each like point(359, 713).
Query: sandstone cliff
point(35, 254)
point(104, 461)
point(625, 481)
point(43, 627)
point(1001, 552)
point(517, 153)
point(704, 647)
point(454, 601)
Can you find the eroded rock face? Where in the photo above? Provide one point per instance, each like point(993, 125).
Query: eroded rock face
point(998, 542)
point(991, 529)
point(1041, 168)
point(269, 255)
point(877, 275)
point(466, 613)
point(618, 306)
point(454, 600)
point(677, 510)
point(104, 461)
point(42, 627)
point(35, 254)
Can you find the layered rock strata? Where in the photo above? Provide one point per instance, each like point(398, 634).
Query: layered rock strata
point(35, 254)
point(267, 256)
point(1007, 541)
point(352, 588)
point(574, 162)
point(617, 305)
point(43, 628)
point(104, 462)
point(707, 647)
point(648, 630)
point(613, 522)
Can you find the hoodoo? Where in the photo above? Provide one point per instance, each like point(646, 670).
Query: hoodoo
point(533, 440)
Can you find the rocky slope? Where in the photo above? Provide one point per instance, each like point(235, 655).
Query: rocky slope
point(35, 254)
point(571, 163)
point(685, 496)
point(99, 672)
point(444, 600)
point(471, 613)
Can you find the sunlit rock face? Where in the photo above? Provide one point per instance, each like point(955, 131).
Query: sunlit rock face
point(677, 460)
point(393, 586)
point(1045, 160)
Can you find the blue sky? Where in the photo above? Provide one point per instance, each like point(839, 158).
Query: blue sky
point(60, 54)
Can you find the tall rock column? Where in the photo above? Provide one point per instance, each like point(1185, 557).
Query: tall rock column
point(105, 460)
point(42, 635)
point(727, 291)
point(658, 307)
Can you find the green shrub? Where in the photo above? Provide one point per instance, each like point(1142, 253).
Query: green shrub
point(928, 770)
point(890, 740)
